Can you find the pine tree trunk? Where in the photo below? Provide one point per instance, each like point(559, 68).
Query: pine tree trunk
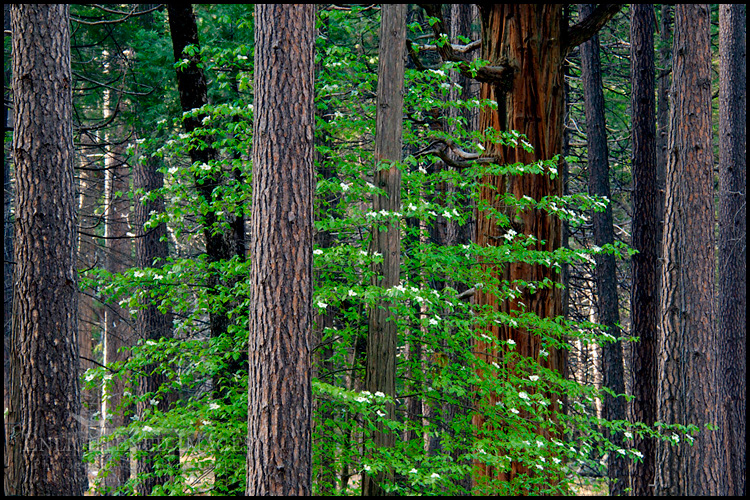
point(44, 433)
point(280, 321)
point(646, 224)
point(687, 347)
point(732, 240)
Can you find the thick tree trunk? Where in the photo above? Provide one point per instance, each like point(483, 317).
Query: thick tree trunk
point(687, 347)
point(381, 337)
point(530, 101)
point(45, 436)
point(646, 227)
point(279, 386)
point(732, 248)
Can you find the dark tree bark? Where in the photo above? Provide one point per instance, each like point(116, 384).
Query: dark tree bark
point(687, 347)
point(606, 268)
point(732, 248)
point(44, 435)
point(646, 229)
point(280, 321)
point(7, 243)
point(381, 337)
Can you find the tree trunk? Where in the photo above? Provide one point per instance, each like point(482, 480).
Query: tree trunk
point(688, 368)
point(530, 101)
point(732, 240)
point(381, 337)
point(646, 227)
point(45, 436)
point(606, 268)
point(280, 321)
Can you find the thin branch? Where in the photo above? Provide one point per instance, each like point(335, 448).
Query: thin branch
point(126, 15)
point(457, 49)
point(110, 87)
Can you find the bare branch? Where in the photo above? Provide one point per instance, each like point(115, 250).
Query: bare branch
point(125, 15)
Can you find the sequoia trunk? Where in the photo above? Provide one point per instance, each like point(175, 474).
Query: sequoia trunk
point(528, 39)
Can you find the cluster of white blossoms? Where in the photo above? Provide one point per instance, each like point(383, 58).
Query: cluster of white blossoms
point(366, 396)
point(382, 214)
point(565, 213)
point(601, 203)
